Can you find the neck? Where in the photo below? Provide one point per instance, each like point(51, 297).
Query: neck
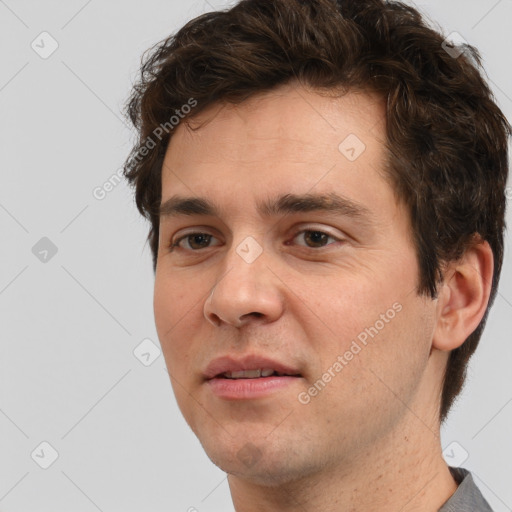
point(404, 472)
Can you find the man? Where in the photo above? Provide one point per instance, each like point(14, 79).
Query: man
point(325, 183)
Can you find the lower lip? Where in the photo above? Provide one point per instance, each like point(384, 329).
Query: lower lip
point(245, 389)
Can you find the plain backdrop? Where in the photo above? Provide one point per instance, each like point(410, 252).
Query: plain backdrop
point(77, 392)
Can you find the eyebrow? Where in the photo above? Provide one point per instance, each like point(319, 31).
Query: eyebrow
point(281, 205)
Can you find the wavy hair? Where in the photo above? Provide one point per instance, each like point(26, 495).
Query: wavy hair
point(446, 136)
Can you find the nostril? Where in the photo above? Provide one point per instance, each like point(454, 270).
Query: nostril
point(247, 317)
point(214, 319)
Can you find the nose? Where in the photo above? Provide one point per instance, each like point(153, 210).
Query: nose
point(244, 293)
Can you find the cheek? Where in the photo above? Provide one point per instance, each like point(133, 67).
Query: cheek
point(178, 304)
point(371, 318)
point(344, 307)
point(376, 381)
point(172, 309)
point(166, 309)
point(178, 312)
point(174, 296)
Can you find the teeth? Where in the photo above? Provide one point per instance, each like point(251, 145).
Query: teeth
point(249, 374)
point(246, 374)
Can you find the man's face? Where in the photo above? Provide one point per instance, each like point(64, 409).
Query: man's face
point(300, 286)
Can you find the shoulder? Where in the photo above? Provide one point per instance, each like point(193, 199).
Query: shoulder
point(467, 497)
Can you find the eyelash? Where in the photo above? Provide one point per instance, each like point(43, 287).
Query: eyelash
point(176, 243)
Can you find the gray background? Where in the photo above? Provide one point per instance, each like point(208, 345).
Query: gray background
point(71, 322)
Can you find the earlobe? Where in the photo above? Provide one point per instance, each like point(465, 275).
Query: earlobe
point(463, 296)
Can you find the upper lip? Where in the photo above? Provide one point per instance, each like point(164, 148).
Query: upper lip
point(248, 362)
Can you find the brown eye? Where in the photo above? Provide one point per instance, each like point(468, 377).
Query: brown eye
point(194, 241)
point(315, 239)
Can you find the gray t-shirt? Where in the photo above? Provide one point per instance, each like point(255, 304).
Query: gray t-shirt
point(467, 497)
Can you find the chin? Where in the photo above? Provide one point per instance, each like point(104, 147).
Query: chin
point(263, 464)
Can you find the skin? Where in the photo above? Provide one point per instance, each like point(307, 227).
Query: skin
point(370, 439)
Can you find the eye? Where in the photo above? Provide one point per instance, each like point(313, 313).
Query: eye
point(193, 241)
point(315, 238)
point(312, 238)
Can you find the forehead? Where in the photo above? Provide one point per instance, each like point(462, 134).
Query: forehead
point(290, 120)
point(288, 140)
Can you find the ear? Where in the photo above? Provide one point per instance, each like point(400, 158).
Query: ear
point(463, 296)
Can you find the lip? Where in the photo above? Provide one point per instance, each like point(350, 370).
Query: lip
point(248, 362)
point(245, 389)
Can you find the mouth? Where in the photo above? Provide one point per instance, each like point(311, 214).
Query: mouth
point(247, 378)
point(253, 374)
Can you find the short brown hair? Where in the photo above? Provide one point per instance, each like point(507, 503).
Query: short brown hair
point(446, 137)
